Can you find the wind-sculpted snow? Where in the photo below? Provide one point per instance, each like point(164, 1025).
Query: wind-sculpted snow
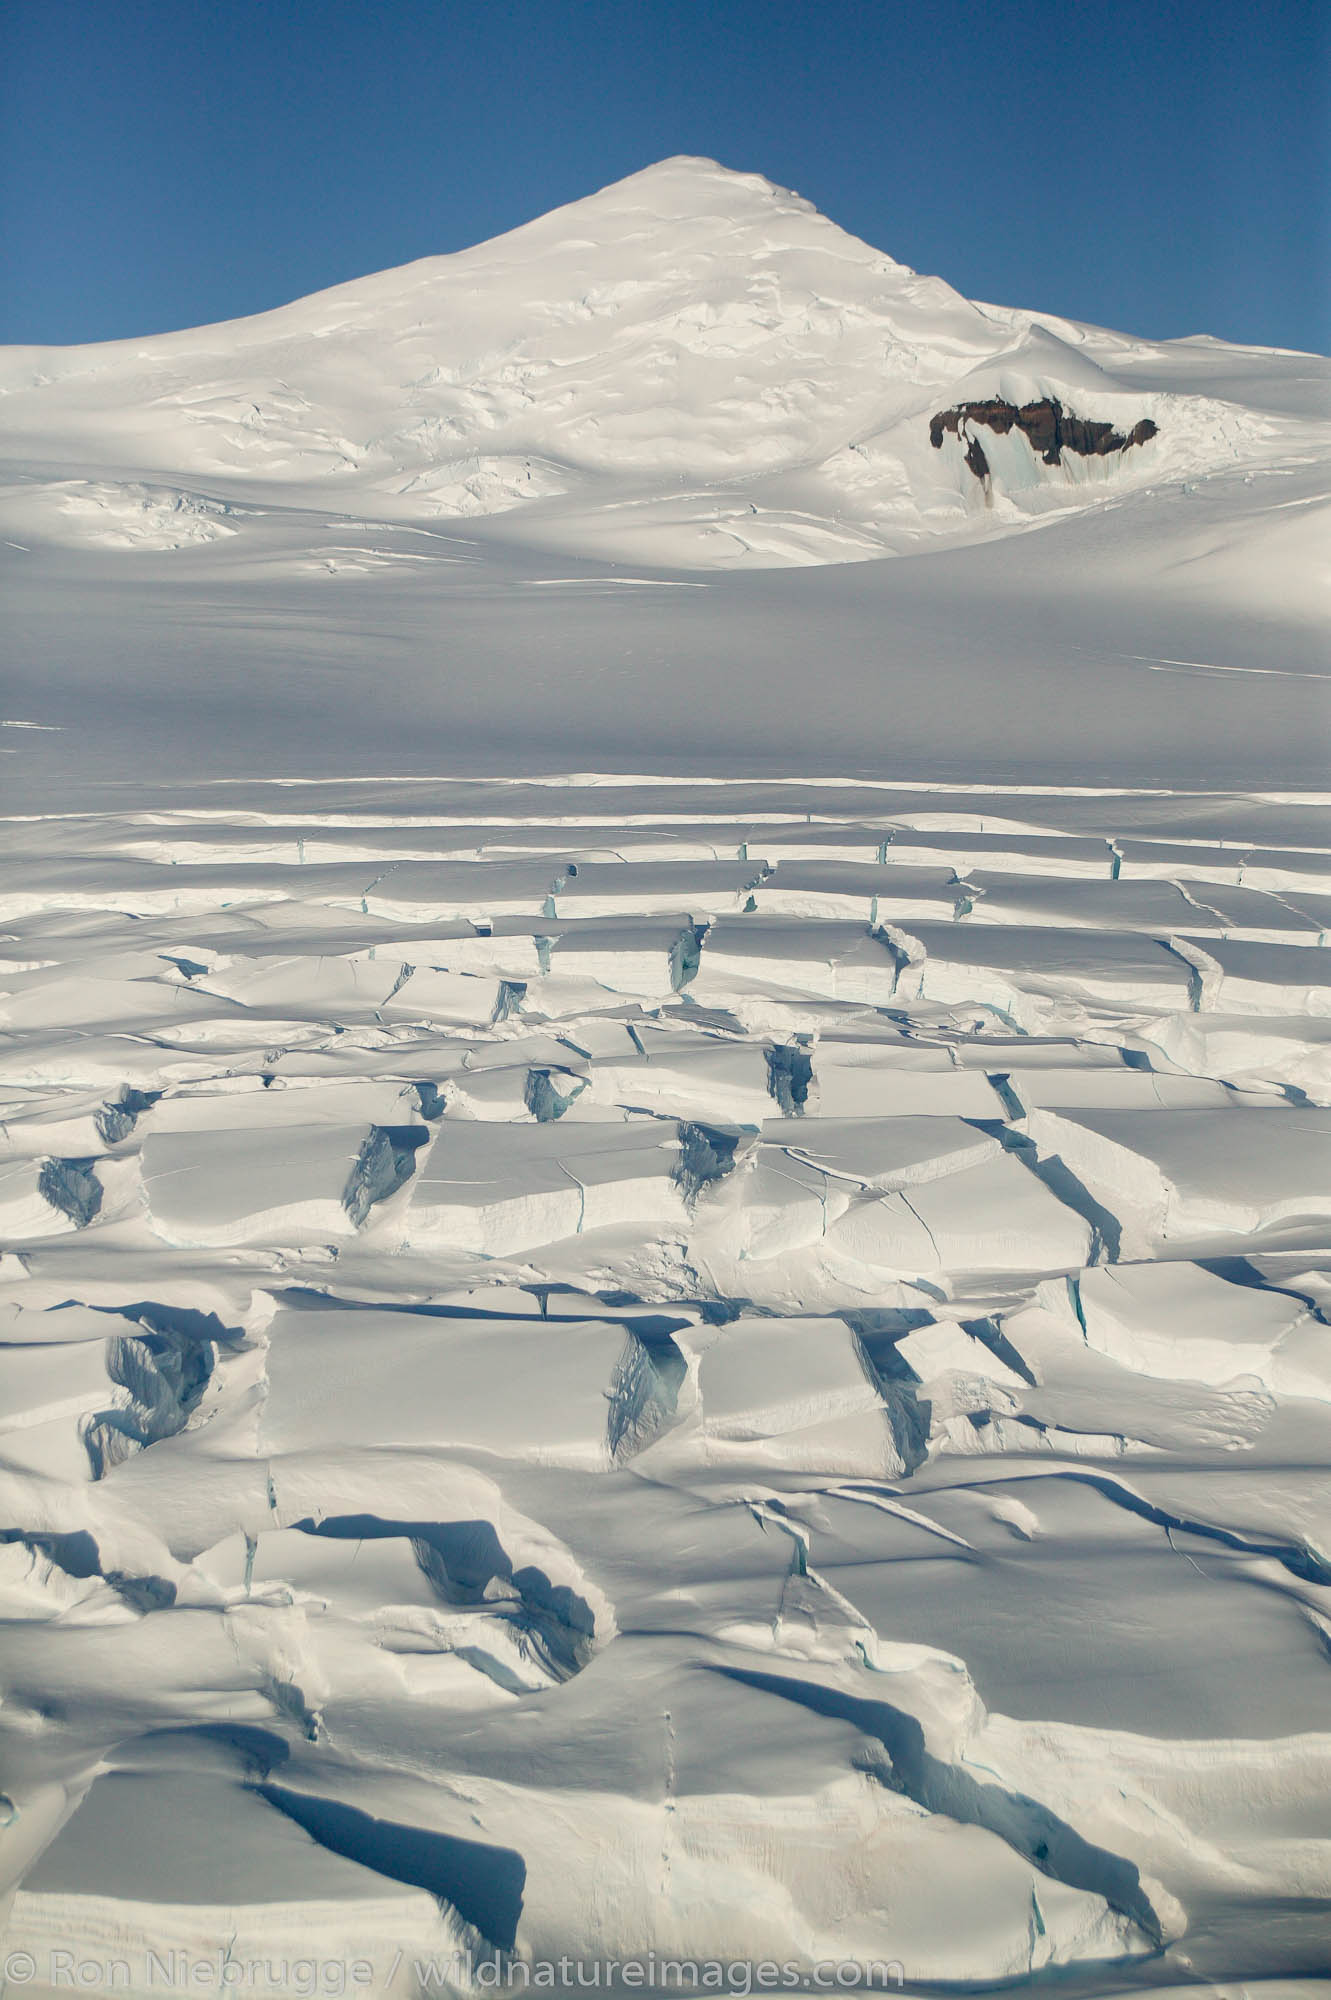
point(738, 1376)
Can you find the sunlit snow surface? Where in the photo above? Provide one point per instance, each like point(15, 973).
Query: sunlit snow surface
point(732, 1364)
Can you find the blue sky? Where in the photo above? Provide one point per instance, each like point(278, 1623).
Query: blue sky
point(1164, 168)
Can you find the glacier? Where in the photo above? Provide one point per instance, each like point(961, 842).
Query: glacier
point(665, 1132)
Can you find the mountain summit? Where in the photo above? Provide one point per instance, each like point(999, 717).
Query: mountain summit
point(692, 367)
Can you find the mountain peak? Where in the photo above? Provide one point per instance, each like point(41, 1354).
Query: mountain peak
point(680, 206)
point(690, 366)
point(684, 182)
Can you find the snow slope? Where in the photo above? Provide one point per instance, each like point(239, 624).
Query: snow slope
point(693, 367)
point(665, 1109)
point(587, 494)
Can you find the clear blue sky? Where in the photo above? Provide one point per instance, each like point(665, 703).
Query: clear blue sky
point(1163, 168)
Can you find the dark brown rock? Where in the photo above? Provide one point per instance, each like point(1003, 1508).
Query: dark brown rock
point(976, 459)
point(1047, 426)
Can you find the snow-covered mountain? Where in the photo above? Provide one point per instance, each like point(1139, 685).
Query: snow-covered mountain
point(586, 496)
point(665, 1105)
point(692, 367)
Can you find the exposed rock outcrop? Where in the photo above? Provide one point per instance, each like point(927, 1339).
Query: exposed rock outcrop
point(1049, 428)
